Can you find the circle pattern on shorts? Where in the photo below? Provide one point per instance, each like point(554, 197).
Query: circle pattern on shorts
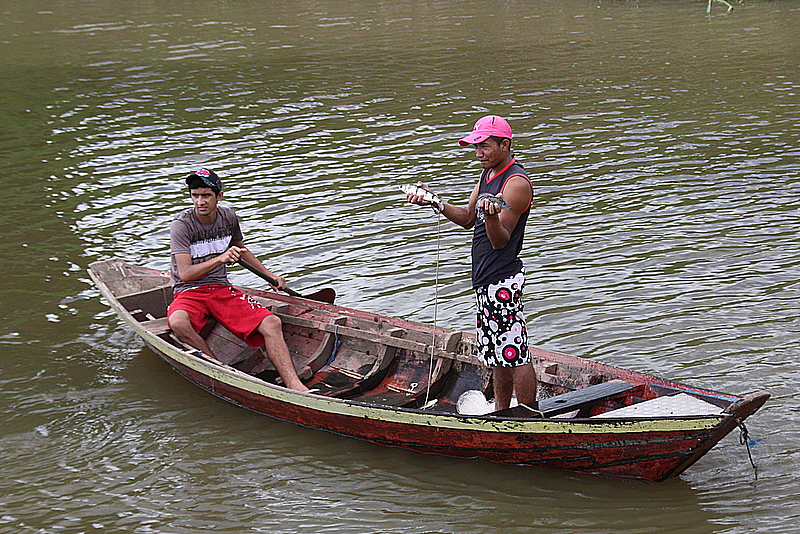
point(502, 332)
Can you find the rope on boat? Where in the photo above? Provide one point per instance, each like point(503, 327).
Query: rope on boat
point(435, 308)
point(750, 444)
point(336, 343)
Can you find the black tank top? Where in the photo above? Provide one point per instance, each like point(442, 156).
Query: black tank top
point(489, 265)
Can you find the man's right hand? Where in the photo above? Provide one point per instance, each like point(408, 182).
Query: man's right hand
point(232, 255)
point(419, 199)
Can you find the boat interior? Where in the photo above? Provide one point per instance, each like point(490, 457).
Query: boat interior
point(376, 359)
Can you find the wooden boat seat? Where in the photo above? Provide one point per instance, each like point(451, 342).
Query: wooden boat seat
point(571, 401)
point(229, 349)
point(151, 302)
point(156, 327)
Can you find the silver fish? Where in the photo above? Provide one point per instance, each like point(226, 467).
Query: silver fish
point(427, 196)
point(494, 200)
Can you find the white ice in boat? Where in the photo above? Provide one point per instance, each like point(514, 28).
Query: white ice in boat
point(473, 402)
point(673, 405)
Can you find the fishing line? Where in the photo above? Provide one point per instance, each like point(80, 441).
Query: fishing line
point(435, 304)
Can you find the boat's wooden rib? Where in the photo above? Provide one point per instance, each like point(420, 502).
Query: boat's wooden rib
point(397, 382)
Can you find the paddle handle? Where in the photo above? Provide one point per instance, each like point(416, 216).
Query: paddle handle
point(258, 272)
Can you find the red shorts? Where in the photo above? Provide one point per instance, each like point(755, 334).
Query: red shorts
point(230, 307)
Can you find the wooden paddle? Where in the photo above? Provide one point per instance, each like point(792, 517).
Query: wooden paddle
point(327, 295)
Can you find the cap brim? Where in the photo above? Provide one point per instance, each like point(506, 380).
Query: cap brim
point(473, 139)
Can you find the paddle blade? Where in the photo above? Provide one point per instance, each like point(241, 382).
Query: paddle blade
point(326, 295)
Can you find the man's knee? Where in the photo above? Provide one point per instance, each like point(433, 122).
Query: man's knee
point(179, 322)
point(271, 326)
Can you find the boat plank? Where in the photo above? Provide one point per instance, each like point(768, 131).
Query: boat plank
point(571, 401)
point(382, 337)
point(156, 327)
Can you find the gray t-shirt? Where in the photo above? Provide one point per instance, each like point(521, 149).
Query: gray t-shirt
point(203, 241)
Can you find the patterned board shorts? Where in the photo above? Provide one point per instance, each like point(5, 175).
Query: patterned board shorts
point(502, 333)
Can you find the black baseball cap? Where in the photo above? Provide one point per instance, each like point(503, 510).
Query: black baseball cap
point(209, 178)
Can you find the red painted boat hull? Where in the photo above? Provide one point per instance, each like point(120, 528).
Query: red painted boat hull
point(586, 446)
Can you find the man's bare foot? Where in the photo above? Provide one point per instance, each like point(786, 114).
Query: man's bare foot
point(298, 386)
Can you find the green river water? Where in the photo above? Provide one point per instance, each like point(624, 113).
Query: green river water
point(663, 143)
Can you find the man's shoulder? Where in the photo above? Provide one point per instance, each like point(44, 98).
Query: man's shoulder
point(519, 181)
point(185, 216)
point(226, 211)
point(517, 168)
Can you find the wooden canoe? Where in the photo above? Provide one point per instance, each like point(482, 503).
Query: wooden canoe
point(397, 383)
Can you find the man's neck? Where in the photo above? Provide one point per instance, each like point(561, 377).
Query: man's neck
point(209, 218)
point(494, 171)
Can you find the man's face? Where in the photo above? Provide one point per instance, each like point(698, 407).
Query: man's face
point(205, 201)
point(490, 153)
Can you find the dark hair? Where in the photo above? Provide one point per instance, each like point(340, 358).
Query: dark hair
point(499, 140)
point(195, 182)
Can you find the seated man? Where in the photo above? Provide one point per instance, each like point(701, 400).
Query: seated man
point(203, 240)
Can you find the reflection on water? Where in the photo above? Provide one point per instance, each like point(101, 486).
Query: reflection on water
point(663, 238)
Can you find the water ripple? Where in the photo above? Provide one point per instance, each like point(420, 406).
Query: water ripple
point(662, 238)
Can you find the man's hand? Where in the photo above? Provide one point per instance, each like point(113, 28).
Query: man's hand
point(490, 209)
point(232, 255)
point(419, 199)
point(281, 283)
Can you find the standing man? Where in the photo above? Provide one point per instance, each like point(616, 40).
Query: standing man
point(498, 276)
point(203, 240)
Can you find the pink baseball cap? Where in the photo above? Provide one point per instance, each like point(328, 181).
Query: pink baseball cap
point(487, 127)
